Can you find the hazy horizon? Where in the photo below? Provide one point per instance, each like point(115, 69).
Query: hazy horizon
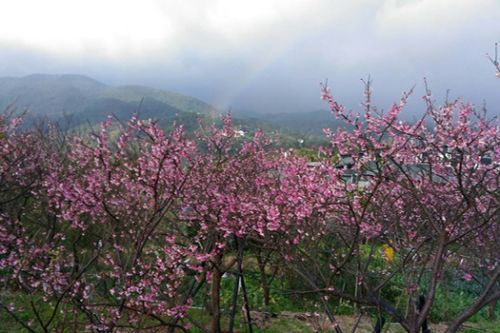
point(262, 56)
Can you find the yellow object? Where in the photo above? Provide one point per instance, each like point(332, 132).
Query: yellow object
point(388, 253)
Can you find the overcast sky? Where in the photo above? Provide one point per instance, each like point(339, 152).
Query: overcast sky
point(261, 55)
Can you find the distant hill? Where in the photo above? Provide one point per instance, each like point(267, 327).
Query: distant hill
point(48, 94)
point(178, 101)
point(77, 100)
point(56, 95)
point(306, 123)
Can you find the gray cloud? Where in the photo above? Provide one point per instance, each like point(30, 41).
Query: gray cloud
point(267, 56)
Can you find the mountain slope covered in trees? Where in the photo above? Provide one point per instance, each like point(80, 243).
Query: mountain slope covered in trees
point(77, 100)
point(55, 95)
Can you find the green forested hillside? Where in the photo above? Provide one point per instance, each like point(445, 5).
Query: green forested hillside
point(53, 95)
point(77, 100)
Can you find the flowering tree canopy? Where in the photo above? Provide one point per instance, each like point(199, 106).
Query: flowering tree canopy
point(123, 228)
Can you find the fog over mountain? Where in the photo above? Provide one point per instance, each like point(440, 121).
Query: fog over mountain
point(78, 102)
point(262, 56)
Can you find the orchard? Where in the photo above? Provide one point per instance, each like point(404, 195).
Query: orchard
point(132, 228)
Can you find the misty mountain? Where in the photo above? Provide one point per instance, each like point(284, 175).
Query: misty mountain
point(75, 100)
point(57, 95)
point(305, 123)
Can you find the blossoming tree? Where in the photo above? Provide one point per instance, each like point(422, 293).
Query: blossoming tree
point(424, 194)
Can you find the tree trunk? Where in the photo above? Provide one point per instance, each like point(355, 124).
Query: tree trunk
point(488, 296)
point(379, 325)
point(263, 279)
point(215, 296)
point(454, 326)
point(245, 298)
point(234, 303)
point(491, 311)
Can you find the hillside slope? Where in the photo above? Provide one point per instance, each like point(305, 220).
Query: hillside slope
point(55, 95)
point(76, 100)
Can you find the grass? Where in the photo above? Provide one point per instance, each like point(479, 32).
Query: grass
point(292, 313)
point(289, 322)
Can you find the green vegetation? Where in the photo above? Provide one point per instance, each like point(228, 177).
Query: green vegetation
point(75, 100)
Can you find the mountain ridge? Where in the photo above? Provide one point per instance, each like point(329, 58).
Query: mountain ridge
point(58, 94)
point(79, 100)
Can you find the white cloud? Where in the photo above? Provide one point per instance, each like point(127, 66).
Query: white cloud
point(91, 27)
point(127, 28)
point(232, 50)
point(430, 16)
point(142, 28)
point(435, 22)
